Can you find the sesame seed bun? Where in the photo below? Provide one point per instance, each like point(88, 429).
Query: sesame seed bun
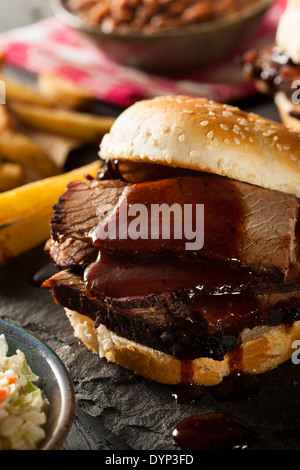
point(263, 349)
point(203, 135)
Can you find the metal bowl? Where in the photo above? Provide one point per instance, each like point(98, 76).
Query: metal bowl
point(176, 49)
point(54, 381)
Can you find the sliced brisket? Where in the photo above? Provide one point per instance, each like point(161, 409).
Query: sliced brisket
point(189, 306)
point(186, 325)
point(243, 223)
point(77, 211)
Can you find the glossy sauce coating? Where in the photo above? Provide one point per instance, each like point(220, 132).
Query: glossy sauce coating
point(213, 431)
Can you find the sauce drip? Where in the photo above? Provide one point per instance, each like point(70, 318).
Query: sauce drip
point(236, 386)
point(213, 431)
point(187, 391)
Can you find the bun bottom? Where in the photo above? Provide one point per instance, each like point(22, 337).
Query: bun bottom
point(262, 349)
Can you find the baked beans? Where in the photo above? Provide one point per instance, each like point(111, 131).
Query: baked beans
point(153, 15)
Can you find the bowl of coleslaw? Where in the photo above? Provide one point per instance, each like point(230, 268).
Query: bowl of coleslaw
point(37, 400)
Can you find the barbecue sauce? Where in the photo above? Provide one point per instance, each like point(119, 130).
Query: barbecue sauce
point(187, 391)
point(213, 431)
point(177, 228)
point(129, 267)
point(236, 386)
point(124, 276)
point(211, 281)
point(220, 297)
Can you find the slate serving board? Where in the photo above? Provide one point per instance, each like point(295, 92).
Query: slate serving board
point(116, 410)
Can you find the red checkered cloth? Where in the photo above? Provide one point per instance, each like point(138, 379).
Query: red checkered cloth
point(50, 46)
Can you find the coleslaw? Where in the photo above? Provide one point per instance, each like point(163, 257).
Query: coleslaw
point(22, 405)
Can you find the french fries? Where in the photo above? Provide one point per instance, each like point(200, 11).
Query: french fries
point(16, 90)
point(5, 118)
point(64, 92)
point(30, 118)
point(19, 148)
point(33, 198)
point(11, 176)
point(18, 238)
point(25, 211)
point(34, 115)
point(82, 126)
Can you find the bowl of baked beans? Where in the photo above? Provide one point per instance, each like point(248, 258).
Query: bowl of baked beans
point(163, 35)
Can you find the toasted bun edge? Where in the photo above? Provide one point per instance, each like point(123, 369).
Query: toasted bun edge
point(264, 348)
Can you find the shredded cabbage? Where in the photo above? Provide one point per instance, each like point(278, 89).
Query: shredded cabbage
point(22, 404)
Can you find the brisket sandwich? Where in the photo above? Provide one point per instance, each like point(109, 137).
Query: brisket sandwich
point(151, 305)
point(275, 69)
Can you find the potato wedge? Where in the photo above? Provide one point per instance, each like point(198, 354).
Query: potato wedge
point(64, 92)
point(11, 176)
point(82, 126)
point(40, 196)
point(19, 148)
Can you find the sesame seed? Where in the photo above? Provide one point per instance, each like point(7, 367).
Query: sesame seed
point(211, 113)
point(187, 111)
point(204, 123)
point(194, 153)
point(227, 113)
point(164, 128)
point(251, 139)
point(221, 163)
point(181, 138)
point(237, 141)
point(279, 147)
point(226, 141)
point(286, 147)
point(292, 157)
point(210, 134)
point(275, 137)
point(223, 126)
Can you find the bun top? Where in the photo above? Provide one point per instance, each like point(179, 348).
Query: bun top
point(287, 36)
point(202, 135)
